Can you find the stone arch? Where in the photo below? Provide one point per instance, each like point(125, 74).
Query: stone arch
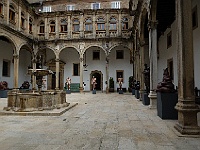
point(99, 80)
point(12, 41)
point(27, 46)
point(88, 47)
point(143, 16)
point(116, 45)
point(67, 46)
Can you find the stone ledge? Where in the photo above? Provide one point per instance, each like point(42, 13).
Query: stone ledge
point(55, 112)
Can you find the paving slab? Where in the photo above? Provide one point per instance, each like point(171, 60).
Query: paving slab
point(99, 122)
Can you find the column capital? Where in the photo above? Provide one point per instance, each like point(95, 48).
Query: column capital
point(152, 24)
point(81, 59)
point(15, 56)
point(57, 59)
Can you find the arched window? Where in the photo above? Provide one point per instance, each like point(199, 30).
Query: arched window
point(100, 24)
point(42, 27)
point(52, 27)
point(1, 9)
point(113, 24)
point(76, 25)
point(12, 14)
point(63, 25)
point(30, 25)
point(124, 23)
point(88, 24)
point(22, 20)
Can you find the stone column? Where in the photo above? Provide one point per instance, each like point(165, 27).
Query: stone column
point(34, 77)
point(69, 30)
point(153, 63)
point(46, 29)
point(141, 69)
point(107, 73)
point(107, 24)
point(16, 70)
point(187, 109)
point(27, 24)
point(81, 25)
point(94, 25)
point(19, 19)
point(57, 73)
point(57, 27)
point(7, 12)
point(81, 73)
point(119, 23)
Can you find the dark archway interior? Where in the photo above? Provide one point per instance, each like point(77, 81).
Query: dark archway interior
point(98, 77)
point(146, 31)
point(3, 38)
point(165, 15)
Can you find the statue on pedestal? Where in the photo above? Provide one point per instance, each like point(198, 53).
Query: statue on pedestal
point(93, 82)
point(146, 73)
point(120, 80)
point(68, 82)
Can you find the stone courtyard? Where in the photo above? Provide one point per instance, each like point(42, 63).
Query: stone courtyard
point(99, 122)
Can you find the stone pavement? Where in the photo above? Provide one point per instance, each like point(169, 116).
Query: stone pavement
point(99, 122)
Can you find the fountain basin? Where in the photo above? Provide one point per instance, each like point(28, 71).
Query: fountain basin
point(34, 101)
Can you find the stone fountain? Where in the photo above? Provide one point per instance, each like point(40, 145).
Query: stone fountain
point(36, 100)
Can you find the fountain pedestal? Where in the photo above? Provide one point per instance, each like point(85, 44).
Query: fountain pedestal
point(36, 100)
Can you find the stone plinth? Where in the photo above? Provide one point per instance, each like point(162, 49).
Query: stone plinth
point(32, 101)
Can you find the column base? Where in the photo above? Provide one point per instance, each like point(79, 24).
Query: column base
point(187, 118)
point(81, 90)
point(153, 100)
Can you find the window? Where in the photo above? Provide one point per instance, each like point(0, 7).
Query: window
point(42, 27)
point(115, 5)
point(70, 7)
point(169, 39)
point(76, 69)
point(1, 9)
point(12, 14)
point(46, 9)
point(76, 25)
point(6, 68)
point(119, 54)
point(95, 6)
point(100, 24)
point(194, 18)
point(63, 26)
point(52, 27)
point(22, 20)
point(88, 24)
point(124, 24)
point(120, 74)
point(113, 24)
point(170, 68)
point(30, 25)
point(96, 55)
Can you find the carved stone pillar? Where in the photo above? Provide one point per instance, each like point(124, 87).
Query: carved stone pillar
point(7, 12)
point(119, 23)
point(153, 63)
point(94, 25)
point(141, 69)
point(69, 30)
point(107, 73)
point(81, 73)
point(46, 28)
point(57, 27)
point(19, 19)
point(34, 77)
point(107, 24)
point(57, 73)
point(81, 25)
point(187, 109)
point(16, 70)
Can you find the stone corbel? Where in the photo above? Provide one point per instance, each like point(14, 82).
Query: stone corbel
point(15, 56)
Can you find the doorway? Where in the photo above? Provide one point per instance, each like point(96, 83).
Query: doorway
point(99, 79)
